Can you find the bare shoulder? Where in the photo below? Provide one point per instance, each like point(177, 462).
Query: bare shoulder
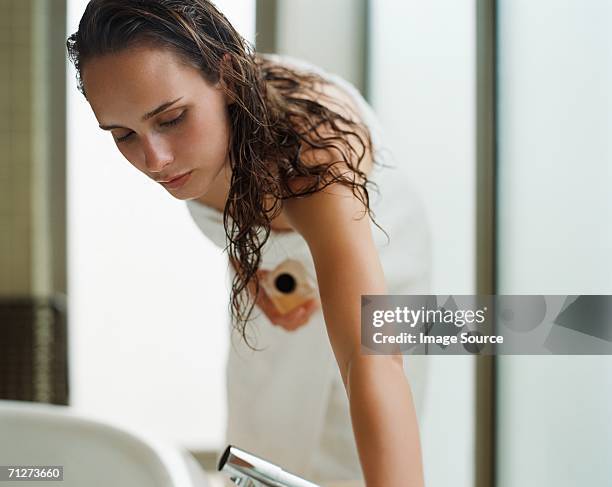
point(332, 216)
point(344, 140)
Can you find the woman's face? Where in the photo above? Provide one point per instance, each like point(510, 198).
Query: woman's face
point(165, 118)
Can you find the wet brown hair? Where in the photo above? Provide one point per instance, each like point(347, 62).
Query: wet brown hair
point(278, 123)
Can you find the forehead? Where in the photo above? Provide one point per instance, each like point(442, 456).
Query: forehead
point(137, 79)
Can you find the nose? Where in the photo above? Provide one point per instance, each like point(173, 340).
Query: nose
point(157, 153)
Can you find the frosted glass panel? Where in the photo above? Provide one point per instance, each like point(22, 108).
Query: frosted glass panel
point(555, 209)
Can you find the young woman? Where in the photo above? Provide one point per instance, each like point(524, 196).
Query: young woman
point(275, 159)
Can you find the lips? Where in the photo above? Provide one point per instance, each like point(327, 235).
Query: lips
point(170, 179)
point(176, 182)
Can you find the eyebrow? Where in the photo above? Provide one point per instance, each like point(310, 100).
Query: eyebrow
point(147, 115)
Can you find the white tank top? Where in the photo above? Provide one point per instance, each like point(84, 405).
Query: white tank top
point(287, 403)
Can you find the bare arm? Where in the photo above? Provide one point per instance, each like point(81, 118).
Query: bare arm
point(347, 265)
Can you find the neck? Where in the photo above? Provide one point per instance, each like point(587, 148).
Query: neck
point(217, 194)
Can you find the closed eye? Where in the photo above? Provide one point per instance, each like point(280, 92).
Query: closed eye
point(169, 123)
point(175, 121)
point(125, 137)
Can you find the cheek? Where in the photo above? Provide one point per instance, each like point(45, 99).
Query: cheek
point(132, 154)
point(208, 139)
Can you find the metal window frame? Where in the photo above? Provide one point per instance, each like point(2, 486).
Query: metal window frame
point(266, 14)
point(486, 232)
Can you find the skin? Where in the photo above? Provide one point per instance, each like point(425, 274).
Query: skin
point(121, 88)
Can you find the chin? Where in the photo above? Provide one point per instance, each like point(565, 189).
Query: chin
point(191, 190)
point(182, 194)
point(182, 197)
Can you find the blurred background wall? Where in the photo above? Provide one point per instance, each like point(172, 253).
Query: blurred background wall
point(32, 136)
point(33, 363)
point(555, 209)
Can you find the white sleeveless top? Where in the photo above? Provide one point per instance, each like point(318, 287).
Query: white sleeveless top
point(287, 403)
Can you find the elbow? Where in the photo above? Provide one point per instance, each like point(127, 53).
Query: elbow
point(358, 363)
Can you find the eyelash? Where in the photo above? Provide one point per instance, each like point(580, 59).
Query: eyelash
point(169, 123)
